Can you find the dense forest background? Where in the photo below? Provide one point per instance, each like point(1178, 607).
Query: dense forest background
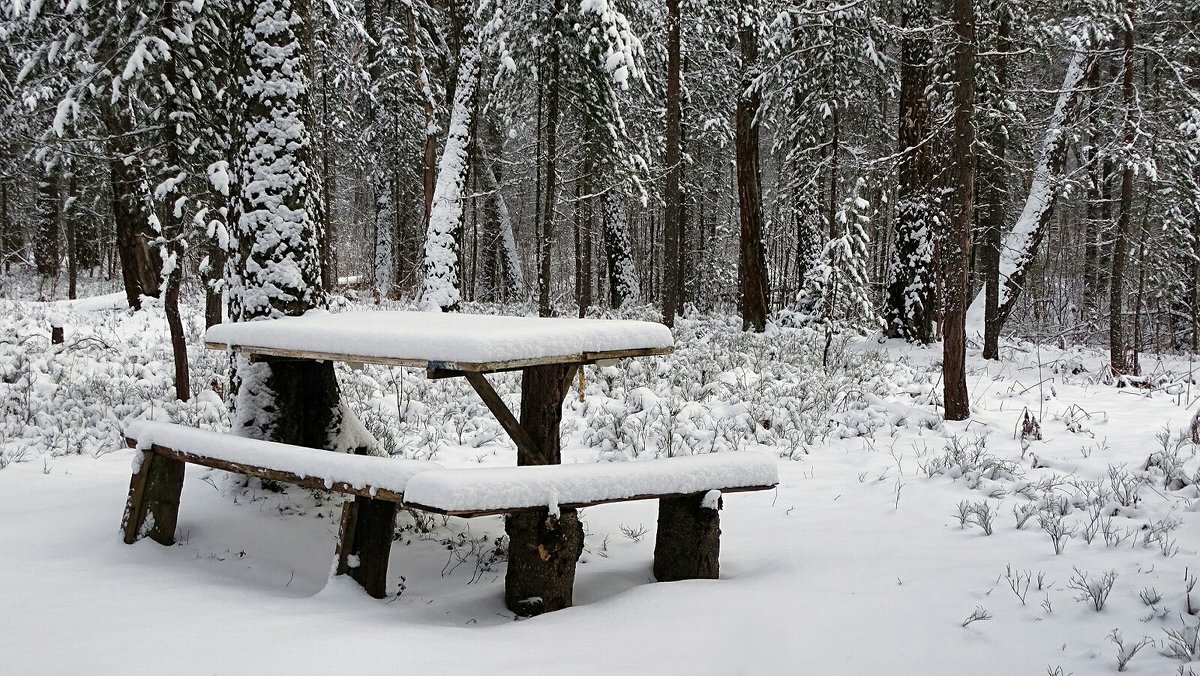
point(958, 170)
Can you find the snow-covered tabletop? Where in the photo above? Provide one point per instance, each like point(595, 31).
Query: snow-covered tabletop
point(449, 341)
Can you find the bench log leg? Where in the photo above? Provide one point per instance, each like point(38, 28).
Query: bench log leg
point(688, 545)
point(542, 554)
point(368, 526)
point(152, 508)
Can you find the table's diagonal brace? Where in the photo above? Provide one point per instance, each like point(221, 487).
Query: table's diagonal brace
point(499, 409)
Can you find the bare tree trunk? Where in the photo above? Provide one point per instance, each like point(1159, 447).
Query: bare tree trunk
point(954, 375)
point(9, 237)
point(673, 159)
point(429, 175)
point(582, 212)
point(1094, 235)
point(551, 181)
point(49, 220)
point(130, 206)
point(752, 268)
point(170, 219)
point(996, 188)
point(910, 299)
point(70, 217)
point(1116, 326)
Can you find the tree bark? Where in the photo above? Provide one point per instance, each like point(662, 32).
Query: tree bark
point(995, 188)
point(1116, 334)
point(910, 310)
point(550, 186)
point(9, 237)
point(673, 160)
point(49, 222)
point(954, 376)
point(752, 265)
point(140, 269)
point(1093, 282)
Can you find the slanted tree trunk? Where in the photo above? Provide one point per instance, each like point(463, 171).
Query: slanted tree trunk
point(170, 217)
point(752, 264)
point(441, 288)
point(954, 375)
point(1021, 244)
point(1118, 356)
point(507, 254)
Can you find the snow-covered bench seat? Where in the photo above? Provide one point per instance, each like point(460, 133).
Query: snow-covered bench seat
point(500, 490)
point(543, 499)
point(367, 526)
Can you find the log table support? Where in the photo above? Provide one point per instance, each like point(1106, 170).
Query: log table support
point(365, 542)
point(688, 545)
point(152, 508)
point(543, 548)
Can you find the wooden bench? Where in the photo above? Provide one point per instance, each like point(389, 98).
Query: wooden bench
point(688, 490)
point(367, 524)
point(539, 498)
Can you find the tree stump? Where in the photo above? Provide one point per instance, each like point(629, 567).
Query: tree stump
point(56, 331)
point(365, 542)
point(688, 545)
point(152, 508)
point(541, 560)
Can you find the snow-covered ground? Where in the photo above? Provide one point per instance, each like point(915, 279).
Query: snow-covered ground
point(858, 563)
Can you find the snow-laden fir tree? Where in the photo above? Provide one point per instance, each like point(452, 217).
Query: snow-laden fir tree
point(612, 60)
point(837, 292)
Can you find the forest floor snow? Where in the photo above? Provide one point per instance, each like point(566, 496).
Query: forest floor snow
point(858, 563)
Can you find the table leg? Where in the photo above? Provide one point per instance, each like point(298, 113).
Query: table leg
point(543, 548)
point(365, 542)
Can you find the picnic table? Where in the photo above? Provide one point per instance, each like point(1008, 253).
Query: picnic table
point(548, 352)
point(540, 497)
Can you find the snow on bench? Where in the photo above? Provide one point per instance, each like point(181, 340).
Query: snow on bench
point(450, 341)
point(375, 477)
point(368, 521)
point(496, 490)
point(542, 502)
